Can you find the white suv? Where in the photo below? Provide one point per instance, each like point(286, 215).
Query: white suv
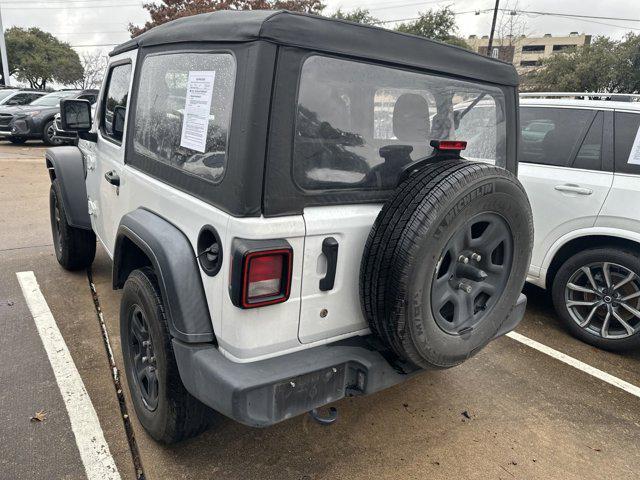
point(581, 171)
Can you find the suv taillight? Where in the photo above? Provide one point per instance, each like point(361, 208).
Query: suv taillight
point(260, 275)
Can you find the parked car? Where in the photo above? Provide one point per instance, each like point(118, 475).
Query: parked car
point(280, 244)
point(35, 121)
point(583, 180)
point(19, 96)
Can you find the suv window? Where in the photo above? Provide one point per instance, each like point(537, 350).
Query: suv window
point(115, 100)
point(626, 130)
point(173, 124)
point(359, 124)
point(549, 136)
point(589, 156)
point(19, 99)
point(92, 97)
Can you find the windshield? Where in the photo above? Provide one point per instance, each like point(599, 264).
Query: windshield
point(358, 125)
point(53, 99)
point(5, 93)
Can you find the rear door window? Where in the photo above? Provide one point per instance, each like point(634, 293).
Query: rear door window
point(358, 125)
point(626, 134)
point(176, 85)
point(550, 136)
point(589, 156)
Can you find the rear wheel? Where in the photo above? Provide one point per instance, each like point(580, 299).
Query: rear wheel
point(445, 262)
point(596, 293)
point(164, 407)
point(75, 247)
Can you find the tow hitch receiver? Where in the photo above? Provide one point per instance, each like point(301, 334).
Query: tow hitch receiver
point(325, 420)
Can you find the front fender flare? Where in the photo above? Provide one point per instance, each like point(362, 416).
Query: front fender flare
point(174, 261)
point(68, 168)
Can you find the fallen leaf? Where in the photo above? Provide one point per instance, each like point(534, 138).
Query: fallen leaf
point(39, 416)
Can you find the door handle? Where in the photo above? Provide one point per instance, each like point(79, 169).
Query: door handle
point(112, 177)
point(571, 188)
point(330, 250)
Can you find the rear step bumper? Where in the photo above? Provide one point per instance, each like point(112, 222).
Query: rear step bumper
point(268, 391)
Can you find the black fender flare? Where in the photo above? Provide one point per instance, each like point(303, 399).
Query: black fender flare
point(68, 167)
point(172, 257)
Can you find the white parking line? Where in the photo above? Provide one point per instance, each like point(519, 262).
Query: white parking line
point(594, 372)
point(94, 450)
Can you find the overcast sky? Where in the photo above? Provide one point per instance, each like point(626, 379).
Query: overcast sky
point(98, 22)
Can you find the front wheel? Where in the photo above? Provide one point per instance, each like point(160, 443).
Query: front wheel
point(164, 407)
point(48, 135)
point(75, 247)
point(596, 293)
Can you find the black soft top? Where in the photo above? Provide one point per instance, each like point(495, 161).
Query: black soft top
point(327, 35)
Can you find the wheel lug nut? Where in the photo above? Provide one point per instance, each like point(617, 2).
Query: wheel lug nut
point(465, 287)
point(146, 343)
point(476, 257)
point(463, 259)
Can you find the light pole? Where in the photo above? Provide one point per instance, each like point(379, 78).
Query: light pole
point(493, 27)
point(3, 54)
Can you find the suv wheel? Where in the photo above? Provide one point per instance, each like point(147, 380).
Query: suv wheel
point(597, 295)
point(75, 247)
point(445, 262)
point(164, 407)
point(48, 135)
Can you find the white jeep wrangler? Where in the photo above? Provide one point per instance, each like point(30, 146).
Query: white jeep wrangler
point(288, 213)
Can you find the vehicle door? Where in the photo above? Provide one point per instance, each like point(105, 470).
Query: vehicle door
point(105, 160)
point(622, 207)
point(561, 167)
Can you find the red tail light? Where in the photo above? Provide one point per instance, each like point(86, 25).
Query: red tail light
point(449, 144)
point(266, 277)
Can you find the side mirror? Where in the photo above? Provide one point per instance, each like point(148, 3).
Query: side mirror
point(75, 115)
point(119, 115)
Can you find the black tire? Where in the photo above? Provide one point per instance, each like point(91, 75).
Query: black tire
point(405, 252)
point(18, 140)
point(174, 414)
point(622, 262)
point(47, 135)
point(75, 247)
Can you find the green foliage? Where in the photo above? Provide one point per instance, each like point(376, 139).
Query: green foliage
point(603, 66)
point(38, 57)
point(359, 15)
point(437, 25)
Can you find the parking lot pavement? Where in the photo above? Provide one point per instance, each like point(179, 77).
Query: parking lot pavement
point(510, 412)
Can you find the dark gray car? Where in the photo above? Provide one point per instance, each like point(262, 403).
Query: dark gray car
point(35, 121)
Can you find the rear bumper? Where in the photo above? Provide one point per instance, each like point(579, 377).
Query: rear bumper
point(266, 392)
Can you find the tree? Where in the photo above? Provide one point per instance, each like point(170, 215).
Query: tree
point(168, 10)
point(94, 65)
point(605, 66)
point(437, 25)
point(38, 57)
point(359, 15)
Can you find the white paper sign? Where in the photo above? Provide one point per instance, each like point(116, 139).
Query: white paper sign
point(195, 123)
point(634, 156)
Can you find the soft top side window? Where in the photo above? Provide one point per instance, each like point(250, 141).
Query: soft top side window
point(626, 132)
point(183, 111)
point(359, 124)
point(114, 107)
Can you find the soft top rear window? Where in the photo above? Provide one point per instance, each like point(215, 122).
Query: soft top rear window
point(358, 125)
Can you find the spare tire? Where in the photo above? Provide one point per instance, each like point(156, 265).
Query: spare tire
point(445, 262)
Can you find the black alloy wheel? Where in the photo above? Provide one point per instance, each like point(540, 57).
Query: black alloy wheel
point(472, 273)
point(142, 360)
